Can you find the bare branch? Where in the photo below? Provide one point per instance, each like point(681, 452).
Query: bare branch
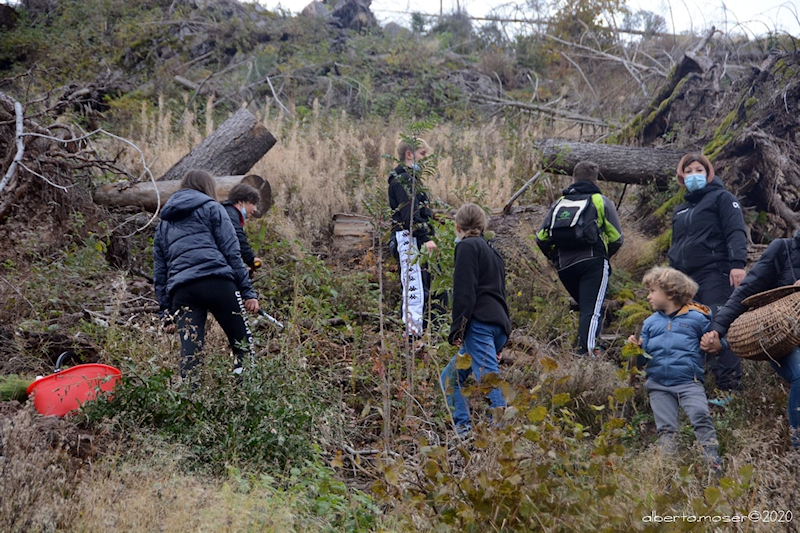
point(20, 147)
point(565, 115)
point(605, 55)
point(580, 71)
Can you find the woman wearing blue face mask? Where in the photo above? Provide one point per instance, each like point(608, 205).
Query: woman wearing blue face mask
point(709, 244)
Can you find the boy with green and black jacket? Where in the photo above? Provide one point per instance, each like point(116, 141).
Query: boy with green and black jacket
point(580, 234)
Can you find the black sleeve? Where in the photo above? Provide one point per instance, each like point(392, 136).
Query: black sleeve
point(465, 288)
point(399, 202)
point(730, 214)
point(247, 252)
point(763, 276)
point(248, 256)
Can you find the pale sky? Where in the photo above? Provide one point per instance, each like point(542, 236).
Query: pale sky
point(738, 16)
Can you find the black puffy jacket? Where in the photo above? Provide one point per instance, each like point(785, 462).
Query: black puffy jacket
point(778, 266)
point(194, 240)
point(708, 230)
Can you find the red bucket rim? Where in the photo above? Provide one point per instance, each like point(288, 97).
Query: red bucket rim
point(111, 371)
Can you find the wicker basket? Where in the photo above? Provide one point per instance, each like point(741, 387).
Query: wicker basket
point(767, 332)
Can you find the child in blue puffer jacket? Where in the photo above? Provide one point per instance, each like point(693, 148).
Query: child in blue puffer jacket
point(671, 337)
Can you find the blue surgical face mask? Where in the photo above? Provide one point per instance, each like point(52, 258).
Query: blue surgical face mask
point(457, 239)
point(415, 166)
point(695, 182)
point(243, 211)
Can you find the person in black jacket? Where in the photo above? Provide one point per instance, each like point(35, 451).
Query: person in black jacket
point(197, 267)
point(584, 267)
point(481, 323)
point(709, 244)
point(778, 266)
point(243, 202)
point(411, 231)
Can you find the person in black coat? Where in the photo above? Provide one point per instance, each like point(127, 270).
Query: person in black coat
point(197, 267)
point(778, 266)
point(412, 232)
point(709, 243)
point(481, 323)
point(242, 203)
point(583, 267)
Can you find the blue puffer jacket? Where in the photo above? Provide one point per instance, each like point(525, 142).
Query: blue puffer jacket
point(674, 345)
point(195, 239)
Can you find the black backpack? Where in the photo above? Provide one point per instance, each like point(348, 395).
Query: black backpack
point(573, 223)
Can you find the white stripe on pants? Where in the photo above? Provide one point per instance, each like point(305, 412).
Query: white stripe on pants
point(594, 324)
point(411, 278)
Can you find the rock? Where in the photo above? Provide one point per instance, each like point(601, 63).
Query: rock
point(394, 30)
point(346, 14)
point(316, 10)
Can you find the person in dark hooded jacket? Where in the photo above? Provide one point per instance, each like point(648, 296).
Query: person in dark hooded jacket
point(242, 203)
point(412, 233)
point(778, 266)
point(197, 268)
point(709, 244)
point(584, 268)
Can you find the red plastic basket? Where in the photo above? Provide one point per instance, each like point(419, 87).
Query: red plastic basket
point(65, 391)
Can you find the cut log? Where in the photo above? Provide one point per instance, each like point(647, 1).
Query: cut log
point(144, 195)
point(621, 164)
point(231, 150)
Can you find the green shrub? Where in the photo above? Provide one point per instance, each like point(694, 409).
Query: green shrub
point(265, 421)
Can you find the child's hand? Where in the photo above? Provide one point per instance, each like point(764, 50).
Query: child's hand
point(633, 340)
point(710, 342)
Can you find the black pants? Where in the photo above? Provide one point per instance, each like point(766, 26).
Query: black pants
point(587, 283)
point(192, 302)
point(715, 289)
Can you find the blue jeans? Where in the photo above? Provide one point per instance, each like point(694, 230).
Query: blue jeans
point(789, 369)
point(482, 342)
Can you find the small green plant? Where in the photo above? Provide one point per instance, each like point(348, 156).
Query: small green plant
point(265, 421)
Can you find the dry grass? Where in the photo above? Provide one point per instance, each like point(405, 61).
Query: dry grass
point(150, 493)
point(322, 165)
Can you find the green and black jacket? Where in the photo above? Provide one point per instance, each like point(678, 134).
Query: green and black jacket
point(607, 221)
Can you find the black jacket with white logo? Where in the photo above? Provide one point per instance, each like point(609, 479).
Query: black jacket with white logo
point(708, 231)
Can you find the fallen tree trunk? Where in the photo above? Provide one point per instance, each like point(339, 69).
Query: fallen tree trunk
point(153, 195)
point(621, 164)
point(231, 150)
